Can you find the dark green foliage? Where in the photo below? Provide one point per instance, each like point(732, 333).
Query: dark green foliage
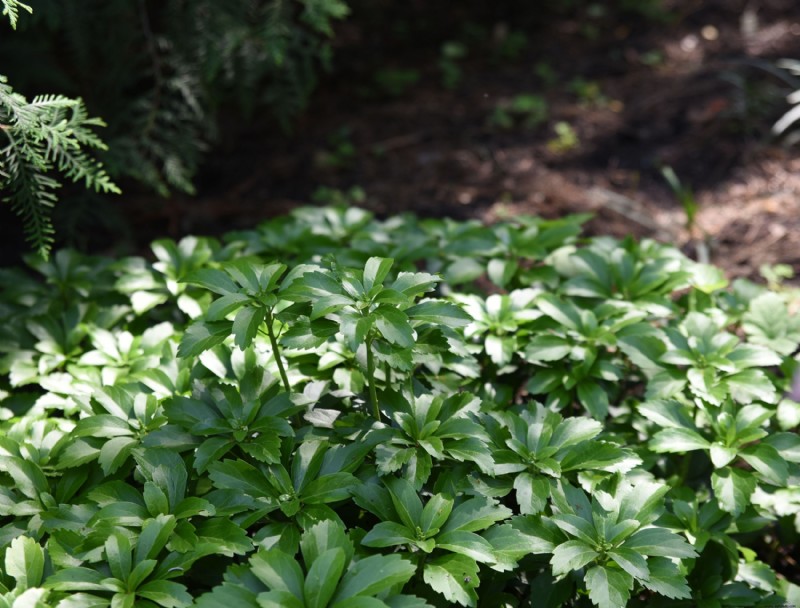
point(158, 72)
point(331, 411)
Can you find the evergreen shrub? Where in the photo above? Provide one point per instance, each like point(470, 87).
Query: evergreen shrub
point(335, 411)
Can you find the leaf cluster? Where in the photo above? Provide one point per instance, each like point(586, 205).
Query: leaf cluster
point(330, 410)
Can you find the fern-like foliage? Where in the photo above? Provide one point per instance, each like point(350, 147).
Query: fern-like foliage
point(48, 134)
point(11, 9)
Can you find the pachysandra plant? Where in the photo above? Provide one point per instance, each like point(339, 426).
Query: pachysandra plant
point(333, 411)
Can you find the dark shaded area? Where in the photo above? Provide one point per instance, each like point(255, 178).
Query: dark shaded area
point(408, 115)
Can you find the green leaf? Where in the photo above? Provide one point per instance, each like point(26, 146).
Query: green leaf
point(630, 561)
point(280, 572)
point(721, 455)
point(217, 281)
point(118, 554)
point(115, 452)
point(571, 555)
point(665, 579)
point(532, 493)
point(455, 577)
point(201, 336)
point(406, 502)
point(328, 304)
point(435, 512)
point(372, 575)
point(575, 525)
point(501, 271)
point(733, 488)
point(467, 543)
point(277, 599)
point(154, 536)
point(375, 271)
point(168, 594)
point(678, 440)
point(659, 542)
point(25, 562)
point(76, 579)
point(476, 514)
point(593, 398)
point(221, 307)
point(28, 477)
point(545, 347)
point(328, 488)
point(770, 465)
point(414, 283)
point(608, 588)
point(394, 326)
point(562, 312)
point(388, 534)
point(323, 577)
point(436, 311)
point(245, 325)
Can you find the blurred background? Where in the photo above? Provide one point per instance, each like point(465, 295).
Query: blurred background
point(671, 119)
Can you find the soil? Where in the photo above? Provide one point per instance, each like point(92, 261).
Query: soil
point(693, 88)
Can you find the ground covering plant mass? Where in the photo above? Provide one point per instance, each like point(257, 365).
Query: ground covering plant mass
point(331, 410)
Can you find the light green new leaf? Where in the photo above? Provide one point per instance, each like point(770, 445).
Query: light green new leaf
point(608, 588)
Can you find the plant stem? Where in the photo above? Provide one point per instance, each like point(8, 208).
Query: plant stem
point(373, 394)
point(277, 352)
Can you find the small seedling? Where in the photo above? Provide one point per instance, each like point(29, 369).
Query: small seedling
point(527, 110)
point(566, 138)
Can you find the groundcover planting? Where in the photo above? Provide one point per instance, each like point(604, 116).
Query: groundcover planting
point(331, 410)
